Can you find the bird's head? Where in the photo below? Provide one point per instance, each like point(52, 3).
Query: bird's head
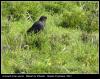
point(43, 18)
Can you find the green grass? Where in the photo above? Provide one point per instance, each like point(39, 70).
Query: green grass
point(59, 50)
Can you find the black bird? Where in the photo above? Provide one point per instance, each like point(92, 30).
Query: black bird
point(38, 25)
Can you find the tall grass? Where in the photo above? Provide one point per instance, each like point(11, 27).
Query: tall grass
point(56, 49)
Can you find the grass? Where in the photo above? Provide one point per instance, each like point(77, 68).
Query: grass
point(61, 51)
point(56, 49)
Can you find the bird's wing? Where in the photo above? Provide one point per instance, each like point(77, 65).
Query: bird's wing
point(32, 27)
point(38, 25)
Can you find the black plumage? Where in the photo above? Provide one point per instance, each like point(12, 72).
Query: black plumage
point(38, 25)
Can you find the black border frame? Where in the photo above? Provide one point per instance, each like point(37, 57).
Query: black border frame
point(67, 76)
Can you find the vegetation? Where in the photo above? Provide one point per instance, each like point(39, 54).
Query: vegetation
point(68, 44)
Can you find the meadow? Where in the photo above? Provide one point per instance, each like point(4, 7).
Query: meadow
point(68, 44)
